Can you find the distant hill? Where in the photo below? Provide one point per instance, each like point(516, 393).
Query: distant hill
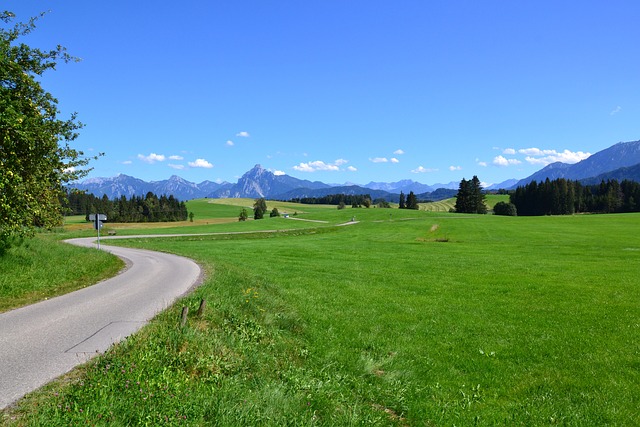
point(619, 161)
point(621, 155)
point(128, 186)
point(631, 173)
point(257, 182)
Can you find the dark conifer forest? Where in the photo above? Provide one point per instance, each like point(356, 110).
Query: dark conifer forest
point(566, 197)
point(150, 208)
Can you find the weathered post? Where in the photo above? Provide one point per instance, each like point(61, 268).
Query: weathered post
point(203, 304)
point(183, 320)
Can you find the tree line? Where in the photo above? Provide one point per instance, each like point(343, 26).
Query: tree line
point(149, 208)
point(566, 197)
point(355, 200)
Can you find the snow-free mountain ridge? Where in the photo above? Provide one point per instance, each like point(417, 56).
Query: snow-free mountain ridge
point(620, 161)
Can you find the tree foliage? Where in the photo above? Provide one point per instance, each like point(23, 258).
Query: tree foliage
point(243, 215)
point(259, 208)
point(506, 209)
point(150, 208)
point(35, 156)
point(565, 197)
point(412, 201)
point(470, 197)
point(355, 200)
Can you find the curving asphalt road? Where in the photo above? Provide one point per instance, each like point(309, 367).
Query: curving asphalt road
point(45, 340)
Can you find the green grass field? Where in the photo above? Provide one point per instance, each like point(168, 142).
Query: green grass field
point(405, 318)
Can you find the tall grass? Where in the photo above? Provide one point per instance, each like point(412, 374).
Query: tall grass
point(413, 319)
point(42, 268)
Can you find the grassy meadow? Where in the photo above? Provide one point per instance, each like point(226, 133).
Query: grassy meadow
point(404, 318)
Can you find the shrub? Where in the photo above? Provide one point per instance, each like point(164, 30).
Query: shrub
point(504, 208)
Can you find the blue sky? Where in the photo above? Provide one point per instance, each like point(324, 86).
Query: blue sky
point(343, 91)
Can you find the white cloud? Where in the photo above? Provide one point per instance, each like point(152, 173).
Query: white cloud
point(152, 158)
point(178, 167)
point(278, 173)
point(421, 169)
point(509, 151)
point(127, 162)
point(535, 156)
point(399, 152)
point(503, 161)
point(243, 134)
point(394, 160)
point(340, 162)
point(615, 111)
point(379, 160)
point(317, 165)
point(176, 158)
point(201, 163)
point(352, 169)
point(455, 168)
point(230, 143)
point(483, 164)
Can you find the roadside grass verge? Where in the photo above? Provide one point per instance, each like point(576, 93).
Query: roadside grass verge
point(418, 319)
point(43, 268)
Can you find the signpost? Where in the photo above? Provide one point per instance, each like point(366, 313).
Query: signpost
point(97, 223)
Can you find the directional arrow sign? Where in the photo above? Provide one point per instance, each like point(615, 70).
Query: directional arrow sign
point(101, 217)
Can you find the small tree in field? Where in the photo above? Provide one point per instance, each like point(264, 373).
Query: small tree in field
point(259, 208)
point(243, 215)
point(274, 213)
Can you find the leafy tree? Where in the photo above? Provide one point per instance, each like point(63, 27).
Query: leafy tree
point(274, 213)
point(341, 205)
point(35, 156)
point(504, 208)
point(401, 202)
point(243, 215)
point(259, 208)
point(191, 215)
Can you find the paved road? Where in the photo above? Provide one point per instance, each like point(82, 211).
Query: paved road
point(45, 340)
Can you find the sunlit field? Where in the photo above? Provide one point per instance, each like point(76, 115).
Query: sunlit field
point(403, 318)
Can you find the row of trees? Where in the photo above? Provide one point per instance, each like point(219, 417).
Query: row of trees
point(355, 200)
point(565, 197)
point(150, 208)
point(470, 197)
point(410, 202)
point(259, 210)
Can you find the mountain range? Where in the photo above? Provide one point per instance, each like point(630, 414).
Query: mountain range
point(620, 161)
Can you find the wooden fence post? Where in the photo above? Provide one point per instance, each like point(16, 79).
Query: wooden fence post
point(183, 321)
point(203, 304)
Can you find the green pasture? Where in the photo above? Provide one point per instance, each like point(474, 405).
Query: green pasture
point(404, 318)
